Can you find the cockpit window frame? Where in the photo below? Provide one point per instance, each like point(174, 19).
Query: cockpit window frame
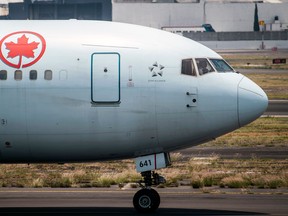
point(186, 70)
point(209, 64)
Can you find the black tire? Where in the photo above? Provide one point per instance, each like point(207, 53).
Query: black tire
point(146, 200)
point(157, 198)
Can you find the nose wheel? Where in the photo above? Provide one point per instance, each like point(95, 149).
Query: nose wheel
point(147, 200)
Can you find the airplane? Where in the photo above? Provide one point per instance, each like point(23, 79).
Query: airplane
point(85, 91)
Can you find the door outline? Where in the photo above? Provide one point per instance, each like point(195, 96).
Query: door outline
point(92, 65)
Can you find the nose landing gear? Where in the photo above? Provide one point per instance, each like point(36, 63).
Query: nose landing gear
point(147, 200)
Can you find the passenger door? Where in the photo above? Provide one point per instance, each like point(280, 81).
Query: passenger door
point(105, 77)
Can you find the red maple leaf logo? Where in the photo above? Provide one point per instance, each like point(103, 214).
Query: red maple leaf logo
point(21, 48)
point(25, 53)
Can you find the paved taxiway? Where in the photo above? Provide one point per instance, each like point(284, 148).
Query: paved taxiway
point(277, 108)
point(112, 201)
point(237, 152)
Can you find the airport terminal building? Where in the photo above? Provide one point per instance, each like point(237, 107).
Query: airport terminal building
point(56, 9)
point(223, 15)
point(185, 17)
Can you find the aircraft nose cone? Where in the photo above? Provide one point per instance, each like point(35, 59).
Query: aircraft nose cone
point(252, 101)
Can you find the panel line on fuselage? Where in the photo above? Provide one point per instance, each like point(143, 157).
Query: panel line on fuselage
point(121, 47)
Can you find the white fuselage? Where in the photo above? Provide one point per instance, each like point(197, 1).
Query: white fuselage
point(113, 91)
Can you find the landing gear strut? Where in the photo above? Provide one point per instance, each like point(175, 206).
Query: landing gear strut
point(147, 199)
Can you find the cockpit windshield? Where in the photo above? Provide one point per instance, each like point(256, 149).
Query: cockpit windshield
point(221, 66)
point(204, 66)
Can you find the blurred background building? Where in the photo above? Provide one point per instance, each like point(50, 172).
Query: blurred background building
point(56, 9)
point(231, 19)
point(223, 15)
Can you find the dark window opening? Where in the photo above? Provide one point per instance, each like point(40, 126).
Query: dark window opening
point(188, 67)
point(18, 75)
point(204, 66)
point(33, 75)
point(3, 75)
point(48, 75)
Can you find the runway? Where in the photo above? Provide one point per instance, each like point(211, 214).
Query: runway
point(115, 201)
point(277, 107)
point(236, 152)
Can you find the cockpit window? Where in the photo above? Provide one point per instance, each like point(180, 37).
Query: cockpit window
point(188, 67)
point(204, 66)
point(221, 66)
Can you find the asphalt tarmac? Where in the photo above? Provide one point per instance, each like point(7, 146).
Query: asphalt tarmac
point(277, 108)
point(115, 201)
point(237, 152)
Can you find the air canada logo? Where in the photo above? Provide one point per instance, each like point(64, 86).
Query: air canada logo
point(22, 49)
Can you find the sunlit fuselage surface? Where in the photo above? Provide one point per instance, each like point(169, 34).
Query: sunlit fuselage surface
point(103, 90)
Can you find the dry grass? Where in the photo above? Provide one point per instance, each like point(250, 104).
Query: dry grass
point(274, 84)
point(238, 173)
point(264, 132)
point(230, 173)
point(68, 175)
point(262, 60)
point(197, 172)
